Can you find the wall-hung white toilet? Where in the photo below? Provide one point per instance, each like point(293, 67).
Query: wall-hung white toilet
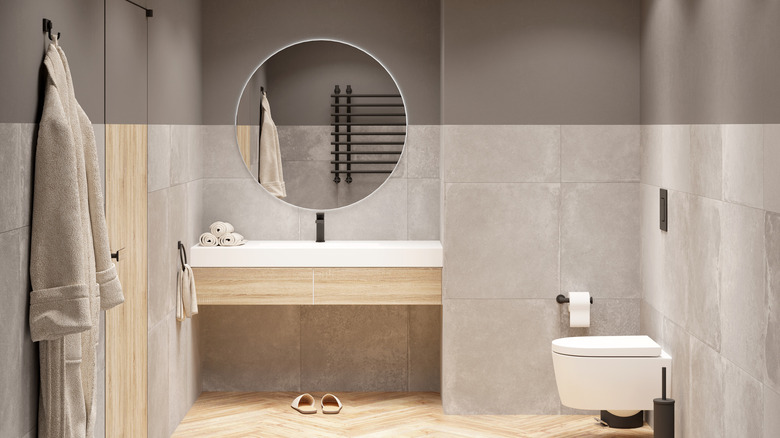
point(619, 374)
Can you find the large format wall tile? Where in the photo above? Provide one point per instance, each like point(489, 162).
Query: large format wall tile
point(651, 322)
point(771, 166)
point(771, 408)
point(251, 348)
point(354, 348)
point(381, 216)
point(183, 368)
point(608, 317)
point(496, 357)
point(161, 298)
point(599, 153)
point(159, 166)
point(772, 346)
point(10, 177)
point(677, 159)
point(158, 403)
point(651, 155)
point(677, 343)
point(706, 161)
point(423, 209)
point(652, 248)
point(221, 156)
point(28, 141)
point(423, 144)
point(600, 244)
point(425, 348)
point(743, 403)
point(502, 153)
point(252, 211)
point(743, 288)
point(674, 286)
point(310, 184)
point(706, 406)
point(743, 164)
point(12, 314)
point(501, 241)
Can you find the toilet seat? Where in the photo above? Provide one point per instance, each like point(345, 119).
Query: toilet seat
point(607, 346)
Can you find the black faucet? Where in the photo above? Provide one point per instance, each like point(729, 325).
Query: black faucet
point(320, 227)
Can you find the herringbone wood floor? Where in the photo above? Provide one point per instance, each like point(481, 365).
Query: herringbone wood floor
point(372, 414)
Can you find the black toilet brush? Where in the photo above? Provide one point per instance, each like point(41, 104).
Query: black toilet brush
point(663, 412)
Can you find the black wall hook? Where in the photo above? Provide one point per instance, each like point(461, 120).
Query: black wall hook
point(182, 255)
point(47, 25)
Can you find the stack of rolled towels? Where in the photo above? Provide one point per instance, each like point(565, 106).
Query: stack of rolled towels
point(221, 234)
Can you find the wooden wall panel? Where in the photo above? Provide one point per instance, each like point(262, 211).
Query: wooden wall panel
point(126, 331)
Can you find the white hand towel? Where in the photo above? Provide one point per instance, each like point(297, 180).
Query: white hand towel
point(232, 239)
point(208, 239)
point(186, 295)
point(219, 228)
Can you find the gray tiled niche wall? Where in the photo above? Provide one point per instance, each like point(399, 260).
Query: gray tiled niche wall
point(531, 211)
point(711, 284)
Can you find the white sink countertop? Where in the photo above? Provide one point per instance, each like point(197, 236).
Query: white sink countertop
point(330, 254)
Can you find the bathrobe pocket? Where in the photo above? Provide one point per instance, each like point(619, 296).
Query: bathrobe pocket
point(59, 311)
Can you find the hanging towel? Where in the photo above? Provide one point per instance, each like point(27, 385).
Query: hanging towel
point(271, 175)
point(71, 271)
point(219, 229)
point(186, 296)
point(208, 239)
point(232, 239)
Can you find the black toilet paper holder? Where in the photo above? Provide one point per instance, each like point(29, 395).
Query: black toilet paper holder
point(561, 299)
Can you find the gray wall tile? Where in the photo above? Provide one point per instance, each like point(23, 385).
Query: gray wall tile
point(501, 241)
point(183, 367)
point(502, 153)
point(354, 348)
point(653, 248)
point(677, 343)
point(253, 212)
point(30, 364)
point(651, 157)
point(496, 357)
point(772, 346)
point(252, 348)
point(425, 348)
point(423, 209)
point(707, 397)
point(10, 178)
point(158, 402)
point(608, 317)
point(161, 299)
point(159, 157)
point(423, 145)
point(707, 161)
point(195, 211)
point(743, 155)
point(599, 153)
point(771, 408)
point(651, 322)
point(381, 216)
point(196, 155)
point(677, 159)
point(221, 157)
point(600, 239)
point(743, 288)
point(743, 403)
point(310, 184)
point(301, 142)
point(11, 338)
point(28, 141)
point(771, 165)
point(181, 144)
point(674, 287)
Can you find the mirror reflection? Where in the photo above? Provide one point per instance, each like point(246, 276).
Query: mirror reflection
point(321, 124)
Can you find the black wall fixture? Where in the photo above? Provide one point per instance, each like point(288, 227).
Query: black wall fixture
point(664, 224)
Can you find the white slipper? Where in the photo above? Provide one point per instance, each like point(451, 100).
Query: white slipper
point(304, 404)
point(330, 404)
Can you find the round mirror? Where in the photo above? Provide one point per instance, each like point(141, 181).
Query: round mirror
point(321, 124)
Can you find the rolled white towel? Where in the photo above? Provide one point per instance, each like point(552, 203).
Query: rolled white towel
point(208, 239)
point(219, 228)
point(232, 239)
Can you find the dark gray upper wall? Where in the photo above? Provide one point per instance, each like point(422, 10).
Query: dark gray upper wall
point(707, 61)
point(126, 61)
point(300, 79)
point(540, 62)
point(238, 35)
point(175, 83)
point(23, 46)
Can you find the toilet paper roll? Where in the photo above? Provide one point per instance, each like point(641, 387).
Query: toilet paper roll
point(579, 309)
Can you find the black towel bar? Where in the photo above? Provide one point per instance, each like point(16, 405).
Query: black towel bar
point(360, 171)
point(367, 143)
point(366, 152)
point(182, 255)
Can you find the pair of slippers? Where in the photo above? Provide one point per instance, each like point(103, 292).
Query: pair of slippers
point(304, 404)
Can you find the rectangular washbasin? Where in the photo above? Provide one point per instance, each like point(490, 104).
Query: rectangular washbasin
point(331, 254)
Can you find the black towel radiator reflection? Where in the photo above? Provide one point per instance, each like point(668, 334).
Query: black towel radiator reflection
point(385, 110)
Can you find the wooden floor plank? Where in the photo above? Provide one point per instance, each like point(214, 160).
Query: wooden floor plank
point(373, 414)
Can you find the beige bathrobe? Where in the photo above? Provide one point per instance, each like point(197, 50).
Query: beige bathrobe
point(70, 262)
point(271, 175)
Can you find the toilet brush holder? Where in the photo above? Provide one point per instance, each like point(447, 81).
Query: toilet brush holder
point(663, 412)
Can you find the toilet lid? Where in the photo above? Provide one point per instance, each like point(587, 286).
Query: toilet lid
point(607, 346)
